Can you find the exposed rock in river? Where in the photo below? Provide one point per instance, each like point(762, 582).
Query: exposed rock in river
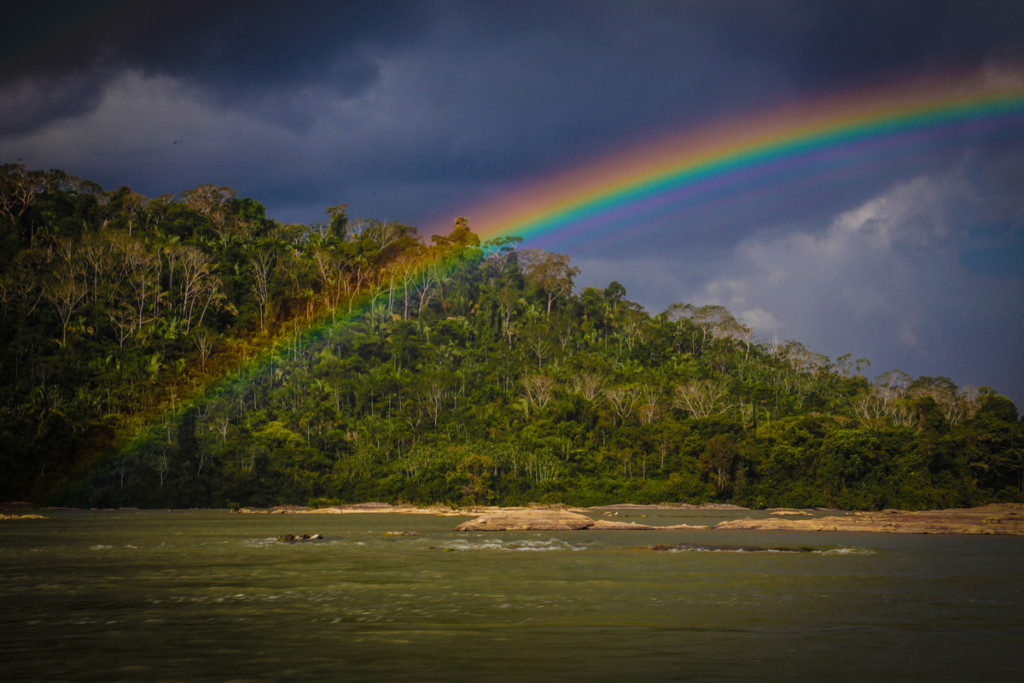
point(298, 538)
point(991, 519)
point(609, 525)
point(624, 526)
point(551, 519)
point(543, 519)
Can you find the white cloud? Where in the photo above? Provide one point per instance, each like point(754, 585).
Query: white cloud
point(884, 281)
point(867, 277)
point(759, 319)
point(911, 213)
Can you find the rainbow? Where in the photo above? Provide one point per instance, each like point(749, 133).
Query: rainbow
point(690, 165)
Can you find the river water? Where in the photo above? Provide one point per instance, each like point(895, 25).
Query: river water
point(206, 595)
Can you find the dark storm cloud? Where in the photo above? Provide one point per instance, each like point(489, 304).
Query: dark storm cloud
point(863, 42)
point(256, 43)
point(234, 51)
point(531, 82)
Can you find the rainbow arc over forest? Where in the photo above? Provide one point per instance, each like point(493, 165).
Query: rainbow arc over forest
point(692, 162)
point(689, 163)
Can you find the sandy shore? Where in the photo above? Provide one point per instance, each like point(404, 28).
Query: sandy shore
point(447, 511)
point(1007, 518)
point(369, 508)
point(996, 519)
point(1004, 519)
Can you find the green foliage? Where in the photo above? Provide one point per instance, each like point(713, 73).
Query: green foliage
point(323, 502)
point(475, 375)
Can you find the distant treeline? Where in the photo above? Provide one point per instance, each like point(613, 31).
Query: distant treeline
point(467, 373)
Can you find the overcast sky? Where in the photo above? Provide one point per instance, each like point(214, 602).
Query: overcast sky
point(419, 111)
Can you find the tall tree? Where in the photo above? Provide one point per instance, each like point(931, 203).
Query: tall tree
point(549, 272)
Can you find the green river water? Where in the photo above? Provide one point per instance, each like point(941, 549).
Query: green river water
point(206, 595)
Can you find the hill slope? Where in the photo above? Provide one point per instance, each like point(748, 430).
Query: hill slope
point(187, 351)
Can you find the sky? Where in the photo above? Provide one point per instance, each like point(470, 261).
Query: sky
point(422, 111)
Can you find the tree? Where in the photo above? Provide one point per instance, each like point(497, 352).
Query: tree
point(719, 459)
point(548, 272)
point(588, 385)
point(66, 294)
point(649, 409)
point(623, 399)
point(957, 405)
point(846, 455)
point(405, 270)
point(140, 271)
point(475, 472)
point(337, 217)
point(508, 300)
point(204, 345)
point(199, 286)
point(211, 201)
point(128, 204)
point(18, 187)
point(537, 338)
point(701, 397)
point(539, 389)
point(459, 238)
point(262, 261)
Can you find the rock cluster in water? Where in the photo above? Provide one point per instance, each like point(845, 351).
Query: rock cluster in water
point(1001, 519)
point(292, 538)
point(1005, 519)
point(550, 519)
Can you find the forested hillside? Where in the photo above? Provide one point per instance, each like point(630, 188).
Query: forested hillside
point(188, 351)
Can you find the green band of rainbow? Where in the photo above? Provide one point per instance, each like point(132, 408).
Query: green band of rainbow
point(688, 164)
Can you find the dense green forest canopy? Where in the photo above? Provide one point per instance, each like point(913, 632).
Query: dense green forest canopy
point(188, 351)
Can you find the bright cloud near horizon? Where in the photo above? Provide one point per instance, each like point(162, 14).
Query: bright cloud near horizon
point(418, 111)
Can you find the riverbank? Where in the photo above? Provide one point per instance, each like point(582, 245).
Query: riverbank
point(535, 509)
point(1000, 519)
point(996, 519)
point(361, 508)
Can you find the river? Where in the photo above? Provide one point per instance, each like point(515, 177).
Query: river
point(210, 596)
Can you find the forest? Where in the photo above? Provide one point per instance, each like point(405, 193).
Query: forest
point(188, 351)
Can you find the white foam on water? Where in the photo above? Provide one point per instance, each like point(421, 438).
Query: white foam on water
point(846, 551)
point(851, 551)
point(552, 544)
point(274, 542)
